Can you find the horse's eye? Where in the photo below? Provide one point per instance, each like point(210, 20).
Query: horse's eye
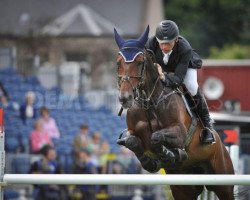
point(139, 63)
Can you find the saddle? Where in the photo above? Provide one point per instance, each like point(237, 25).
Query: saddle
point(191, 108)
point(189, 99)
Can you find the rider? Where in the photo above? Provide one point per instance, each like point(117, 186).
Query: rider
point(173, 53)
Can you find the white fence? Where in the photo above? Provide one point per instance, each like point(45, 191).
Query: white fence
point(126, 179)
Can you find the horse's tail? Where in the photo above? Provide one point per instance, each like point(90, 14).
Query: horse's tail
point(242, 193)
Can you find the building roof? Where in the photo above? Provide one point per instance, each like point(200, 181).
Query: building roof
point(81, 19)
point(74, 17)
point(230, 118)
point(226, 63)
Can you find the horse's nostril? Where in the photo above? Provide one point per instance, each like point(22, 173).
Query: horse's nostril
point(123, 100)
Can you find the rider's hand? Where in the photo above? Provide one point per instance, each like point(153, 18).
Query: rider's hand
point(160, 72)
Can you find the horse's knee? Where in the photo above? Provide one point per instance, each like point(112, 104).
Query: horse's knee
point(157, 138)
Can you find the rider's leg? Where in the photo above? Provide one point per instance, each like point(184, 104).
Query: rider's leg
point(202, 109)
point(191, 84)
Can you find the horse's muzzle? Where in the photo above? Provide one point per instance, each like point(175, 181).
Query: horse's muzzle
point(126, 101)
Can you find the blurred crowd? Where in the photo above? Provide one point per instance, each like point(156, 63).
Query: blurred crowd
point(91, 153)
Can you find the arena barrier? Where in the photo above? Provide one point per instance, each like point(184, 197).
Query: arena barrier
point(126, 179)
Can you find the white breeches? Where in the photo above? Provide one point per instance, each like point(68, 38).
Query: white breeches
point(191, 82)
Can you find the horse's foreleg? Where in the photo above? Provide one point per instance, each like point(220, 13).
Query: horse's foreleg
point(168, 144)
point(150, 164)
point(134, 144)
point(186, 192)
point(172, 137)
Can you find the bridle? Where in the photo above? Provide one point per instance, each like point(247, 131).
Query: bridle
point(127, 77)
point(140, 96)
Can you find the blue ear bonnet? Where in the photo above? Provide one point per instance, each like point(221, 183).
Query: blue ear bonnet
point(129, 49)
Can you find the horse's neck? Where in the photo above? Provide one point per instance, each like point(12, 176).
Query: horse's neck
point(153, 85)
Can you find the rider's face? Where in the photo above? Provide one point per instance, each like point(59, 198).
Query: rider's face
point(167, 47)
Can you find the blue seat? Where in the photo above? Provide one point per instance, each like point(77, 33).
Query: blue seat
point(12, 144)
point(66, 160)
point(21, 165)
point(10, 194)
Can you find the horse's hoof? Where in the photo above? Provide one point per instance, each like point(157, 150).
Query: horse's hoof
point(167, 155)
point(149, 164)
point(134, 144)
point(121, 141)
point(181, 155)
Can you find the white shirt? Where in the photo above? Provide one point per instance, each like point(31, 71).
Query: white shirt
point(29, 111)
point(166, 57)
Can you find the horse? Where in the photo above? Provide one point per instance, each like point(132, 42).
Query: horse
point(158, 124)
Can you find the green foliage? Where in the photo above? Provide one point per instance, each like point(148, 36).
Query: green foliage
point(207, 23)
point(234, 51)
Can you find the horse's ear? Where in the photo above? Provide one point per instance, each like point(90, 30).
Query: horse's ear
point(118, 39)
point(144, 37)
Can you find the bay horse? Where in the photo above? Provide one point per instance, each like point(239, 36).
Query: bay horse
point(158, 124)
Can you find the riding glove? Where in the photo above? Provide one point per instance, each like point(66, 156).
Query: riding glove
point(171, 80)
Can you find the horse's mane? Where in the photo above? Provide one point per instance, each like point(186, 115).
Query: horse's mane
point(150, 53)
point(150, 59)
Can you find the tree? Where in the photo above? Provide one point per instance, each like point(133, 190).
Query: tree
point(233, 51)
point(207, 23)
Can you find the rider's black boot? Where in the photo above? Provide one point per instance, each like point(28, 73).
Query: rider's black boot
point(202, 109)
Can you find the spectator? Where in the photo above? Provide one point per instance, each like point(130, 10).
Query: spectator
point(124, 157)
point(81, 140)
point(85, 165)
point(104, 163)
point(105, 151)
point(94, 146)
point(47, 165)
point(48, 123)
point(39, 138)
point(27, 110)
point(4, 100)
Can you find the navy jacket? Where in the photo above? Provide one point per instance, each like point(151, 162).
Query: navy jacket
point(23, 113)
point(182, 57)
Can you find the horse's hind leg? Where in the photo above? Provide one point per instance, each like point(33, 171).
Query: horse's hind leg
point(222, 164)
point(181, 192)
point(223, 192)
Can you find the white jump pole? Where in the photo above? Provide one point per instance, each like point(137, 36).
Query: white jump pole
point(126, 179)
point(2, 153)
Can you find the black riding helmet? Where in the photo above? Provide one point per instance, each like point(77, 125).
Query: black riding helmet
point(167, 31)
